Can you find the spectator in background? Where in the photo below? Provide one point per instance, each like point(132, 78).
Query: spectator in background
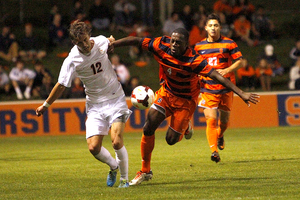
point(133, 83)
point(77, 89)
point(147, 13)
point(78, 9)
point(124, 14)
point(172, 23)
point(243, 7)
point(246, 75)
point(295, 52)
point(200, 13)
point(166, 8)
point(264, 73)
point(8, 45)
point(137, 52)
point(226, 30)
point(40, 73)
point(242, 28)
point(272, 60)
point(30, 48)
point(294, 83)
point(121, 70)
point(22, 79)
point(99, 15)
point(4, 81)
point(47, 86)
point(262, 27)
point(223, 6)
point(186, 17)
point(57, 32)
point(198, 32)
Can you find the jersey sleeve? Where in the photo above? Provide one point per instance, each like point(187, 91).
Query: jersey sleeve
point(102, 43)
point(66, 72)
point(235, 53)
point(150, 44)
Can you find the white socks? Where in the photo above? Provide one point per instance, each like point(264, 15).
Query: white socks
point(122, 160)
point(105, 157)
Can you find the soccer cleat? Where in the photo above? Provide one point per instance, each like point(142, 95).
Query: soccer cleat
point(123, 184)
point(111, 177)
point(189, 132)
point(221, 143)
point(215, 157)
point(140, 177)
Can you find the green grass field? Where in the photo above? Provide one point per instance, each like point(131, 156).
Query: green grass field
point(260, 163)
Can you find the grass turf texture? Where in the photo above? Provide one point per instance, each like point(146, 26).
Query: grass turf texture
point(260, 163)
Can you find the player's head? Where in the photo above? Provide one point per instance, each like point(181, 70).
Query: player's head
point(179, 41)
point(80, 33)
point(213, 25)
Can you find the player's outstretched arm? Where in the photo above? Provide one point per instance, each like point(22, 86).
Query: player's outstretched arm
point(55, 93)
point(127, 41)
point(247, 97)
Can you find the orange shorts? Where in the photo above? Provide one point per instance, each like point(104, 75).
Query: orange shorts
point(181, 110)
point(216, 101)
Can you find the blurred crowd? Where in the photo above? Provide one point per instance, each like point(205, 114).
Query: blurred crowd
point(241, 20)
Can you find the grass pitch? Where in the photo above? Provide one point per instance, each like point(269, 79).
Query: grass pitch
point(260, 163)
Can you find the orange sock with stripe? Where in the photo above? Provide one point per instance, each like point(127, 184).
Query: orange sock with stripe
point(147, 146)
point(222, 128)
point(212, 133)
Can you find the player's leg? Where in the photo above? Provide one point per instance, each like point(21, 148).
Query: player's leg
point(223, 124)
point(224, 114)
point(117, 130)
point(154, 119)
point(211, 128)
point(96, 129)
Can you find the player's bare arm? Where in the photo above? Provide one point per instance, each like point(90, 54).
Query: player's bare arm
point(235, 66)
point(56, 92)
point(127, 41)
point(247, 97)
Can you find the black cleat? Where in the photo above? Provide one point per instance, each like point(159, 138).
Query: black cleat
point(215, 157)
point(221, 143)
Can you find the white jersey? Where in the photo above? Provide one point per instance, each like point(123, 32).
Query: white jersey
point(94, 70)
point(20, 75)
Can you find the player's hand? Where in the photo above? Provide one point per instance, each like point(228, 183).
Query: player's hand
point(40, 110)
point(223, 72)
point(250, 98)
point(111, 38)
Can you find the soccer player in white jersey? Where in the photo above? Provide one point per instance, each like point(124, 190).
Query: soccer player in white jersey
point(105, 100)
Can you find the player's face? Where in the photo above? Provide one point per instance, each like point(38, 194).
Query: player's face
point(83, 44)
point(213, 28)
point(178, 44)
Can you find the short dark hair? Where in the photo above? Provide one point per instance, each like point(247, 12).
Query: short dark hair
point(184, 32)
point(213, 16)
point(78, 29)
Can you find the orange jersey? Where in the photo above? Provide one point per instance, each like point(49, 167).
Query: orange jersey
point(178, 75)
point(219, 55)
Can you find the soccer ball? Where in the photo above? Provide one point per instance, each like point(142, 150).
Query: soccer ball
point(142, 97)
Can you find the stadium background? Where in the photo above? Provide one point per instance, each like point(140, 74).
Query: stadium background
point(17, 118)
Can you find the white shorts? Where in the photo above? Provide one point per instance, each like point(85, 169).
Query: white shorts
point(100, 116)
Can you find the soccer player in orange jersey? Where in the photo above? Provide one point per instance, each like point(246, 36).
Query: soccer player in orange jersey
point(222, 54)
point(178, 96)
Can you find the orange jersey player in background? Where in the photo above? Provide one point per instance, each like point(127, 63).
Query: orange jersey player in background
point(223, 54)
point(178, 96)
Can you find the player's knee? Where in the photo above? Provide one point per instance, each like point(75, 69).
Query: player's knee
point(148, 131)
point(211, 122)
point(117, 144)
point(94, 149)
point(171, 140)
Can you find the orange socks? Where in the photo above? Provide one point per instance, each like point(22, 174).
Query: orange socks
point(147, 146)
point(222, 128)
point(212, 134)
